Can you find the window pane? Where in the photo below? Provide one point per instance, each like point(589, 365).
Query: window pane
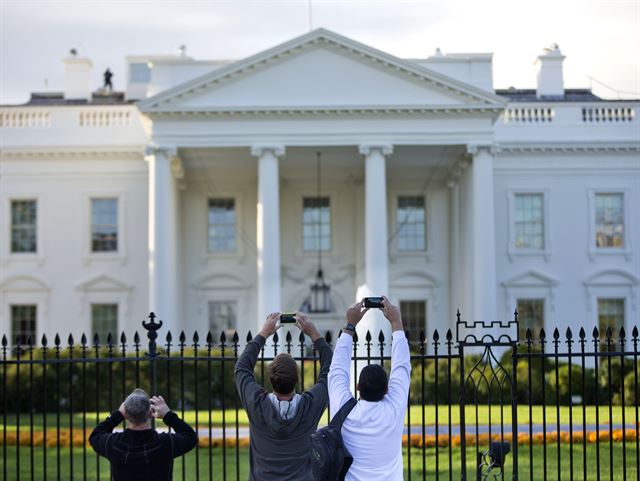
point(316, 224)
point(222, 317)
point(104, 321)
point(411, 223)
point(414, 318)
point(609, 219)
point(529, 221)
point(23, 226)
point(610, 314)
point(530, 316)
point(23, 323)
point(104, 225)
point(222, 225)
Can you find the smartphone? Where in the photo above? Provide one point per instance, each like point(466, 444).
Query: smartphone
point(288, 318)
point(373, 302)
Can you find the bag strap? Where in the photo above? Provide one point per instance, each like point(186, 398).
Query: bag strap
point(342, 414)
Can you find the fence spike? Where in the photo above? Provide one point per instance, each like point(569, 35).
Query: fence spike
point(223, 337)
point(436, 336)
point(582, 334)
point(196, 338)
point(355, 336)
point(209, 338)
point(30, 342)
point(235, 338)
point(367, 336)
point(328, 337)
point(123, 338)
point(183, 337)
point(569, 334)
point(634, 332)
point(556, 334)
point(4, 341)
point(69, 340)
point(83, 340)
point(527, 334)
point(595, 334)
point(381, 336)
point(288, 337)
point(458, 314)
point(109, 340)
point(44, 340)
point(249, 336)
point(422, 336)
point(543, 334)
point(136, 338)
point(168, 338)
point(301, 337)
point(56, 340)
point(515, 315)
point(449, 335)
point(276, 338)
point(622, 333)
point(608, 333)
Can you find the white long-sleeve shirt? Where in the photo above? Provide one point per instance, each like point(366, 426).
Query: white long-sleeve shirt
point(373, 430)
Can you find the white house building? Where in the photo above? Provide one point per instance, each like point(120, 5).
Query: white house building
point(213, 192)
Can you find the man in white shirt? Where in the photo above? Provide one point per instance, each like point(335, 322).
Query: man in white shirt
point(373, 430)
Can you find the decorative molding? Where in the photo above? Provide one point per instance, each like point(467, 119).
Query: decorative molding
point(530, 284)
point(168, 151)
point(477, 147)
point(57, 154)
point(259, 150)
point(24, 283)
point(568, 147)
point(384, 148)
point(103, 283)
point(611, 283)
point(310, 40)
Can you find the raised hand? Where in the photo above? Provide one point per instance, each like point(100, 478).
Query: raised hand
point(271, 325)
point(392, 313)
point(308, 327)
point(159, 408)
point(355, 312)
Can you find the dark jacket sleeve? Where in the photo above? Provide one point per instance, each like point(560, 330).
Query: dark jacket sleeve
point(319, 392)
point(100, 435)
point(184, 439)
point(246, 384)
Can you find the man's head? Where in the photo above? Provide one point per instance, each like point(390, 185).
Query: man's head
point(283, 374)
point(373, 383)
point(137, 407)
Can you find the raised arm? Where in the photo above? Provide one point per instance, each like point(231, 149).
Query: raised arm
point(100, 435)
point(184, 439)
point(319, 390)
point(400, 377)
point(246, 383)
point(339, 392)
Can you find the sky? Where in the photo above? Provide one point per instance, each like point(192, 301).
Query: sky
point(601, 38)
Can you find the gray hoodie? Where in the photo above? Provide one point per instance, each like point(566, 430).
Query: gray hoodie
point(280, 448)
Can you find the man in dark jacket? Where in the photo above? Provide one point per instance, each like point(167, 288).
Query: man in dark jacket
point(281, 422)
point(140, 453)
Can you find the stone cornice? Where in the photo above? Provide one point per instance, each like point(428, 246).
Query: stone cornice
point(385, 148)
point(325, 111)
point(568, 147)
point(258, 150)
point(74, 153)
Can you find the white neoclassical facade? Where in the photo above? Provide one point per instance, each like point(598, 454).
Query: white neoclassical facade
point(212, 193)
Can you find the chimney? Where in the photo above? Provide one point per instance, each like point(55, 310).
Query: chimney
point(77, 77)
point(550, 83)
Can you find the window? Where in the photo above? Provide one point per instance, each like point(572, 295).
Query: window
point(139, 73)
point(23, 226)
point(104, 225)
point(411, 223)
point(529, 221)
point(609, 220)
point(104, 321)
point(530, 316)
point(316, 224)
point(414, 317)
point(222, 317)
point(222, 225)
point(610, 314)
point(23, 323)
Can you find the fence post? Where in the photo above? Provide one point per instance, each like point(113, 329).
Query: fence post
point(514, 397)
point(463, 429)
point(152, 327)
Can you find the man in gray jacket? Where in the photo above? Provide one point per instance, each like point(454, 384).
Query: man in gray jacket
point(281, 422)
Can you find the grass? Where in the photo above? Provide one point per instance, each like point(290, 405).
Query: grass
point(415, 415)
point(413, 464)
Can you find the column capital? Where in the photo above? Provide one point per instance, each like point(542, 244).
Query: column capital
point(384, 148)
point(169, 151)
point(477, 147)
point(260, 149)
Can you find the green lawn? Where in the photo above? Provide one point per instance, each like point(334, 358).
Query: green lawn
point(415, 416)
point(415, 471)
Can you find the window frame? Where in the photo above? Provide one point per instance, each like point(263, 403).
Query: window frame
point(396, 225)
point(121, 253)
point(626, 249)
point(513, 251)
point(5, 224)
point(91, 225)
point(615, 334)
point(229, 253)
point(425, 328)
point(202, 221)
point(116, 338)
point(302, 224)
point(229, 300)
point(393, 205)
point(297, 211)
point(12, 340)
point(535, 334)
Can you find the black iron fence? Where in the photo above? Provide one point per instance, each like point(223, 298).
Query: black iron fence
point(482, 405)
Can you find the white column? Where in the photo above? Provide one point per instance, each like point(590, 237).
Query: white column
point(484, 248)
point(376, 239)
point(163, 233)
point(455, 291)
point(268, 231)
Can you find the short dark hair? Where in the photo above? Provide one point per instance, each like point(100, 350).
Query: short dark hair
point(283, 373)
point(373, 383)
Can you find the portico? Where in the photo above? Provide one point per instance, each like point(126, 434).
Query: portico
point(385, 129)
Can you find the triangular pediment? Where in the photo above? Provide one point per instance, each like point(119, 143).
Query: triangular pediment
point(419, 280)
point(320, 70)
point(612, 277)
point(103, 283)
point(530, 279)
point(23, 284)
point(220, 282)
